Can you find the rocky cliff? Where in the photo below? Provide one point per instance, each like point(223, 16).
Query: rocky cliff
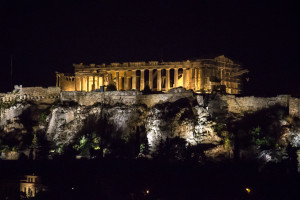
point(217, 126)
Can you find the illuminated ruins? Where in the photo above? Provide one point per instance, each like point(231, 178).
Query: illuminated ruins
point(31, 185)
point(201, 75)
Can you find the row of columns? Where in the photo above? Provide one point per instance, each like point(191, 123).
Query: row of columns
point(192, 79)
point(88, 87)
point(142, 79)
point(134, 80)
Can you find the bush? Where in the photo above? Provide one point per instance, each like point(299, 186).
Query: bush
point(263, 142)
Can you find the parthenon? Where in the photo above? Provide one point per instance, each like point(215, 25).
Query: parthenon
point(201, 75)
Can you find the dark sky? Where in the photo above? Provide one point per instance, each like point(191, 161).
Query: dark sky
point(48, 36)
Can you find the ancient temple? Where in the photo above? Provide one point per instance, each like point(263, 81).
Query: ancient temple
point(201, 75)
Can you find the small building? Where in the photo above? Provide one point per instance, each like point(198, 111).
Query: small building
point(31, 185)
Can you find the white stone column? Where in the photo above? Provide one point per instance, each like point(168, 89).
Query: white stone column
point(97, 82)
point(168, 79)
point(176, 77)
point(142, 80)
point(158, 80)
point(133, 79)
point(59, 81)
point(81, 83)
point(125, 80)
point(101, 80)
point(117, 81)
point(87, 83)
point(151, 79)
point(196, 80)
point(184, 78)
point(109, 76)
point(56, 80)
point(75, 83)
point(192, 78)
point(93, 86)
point(201, 79)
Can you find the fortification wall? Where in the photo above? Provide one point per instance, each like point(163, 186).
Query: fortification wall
point(231, 103)
point(252, 104)
point(294, 107)
point(36, 94)
point(123, 97)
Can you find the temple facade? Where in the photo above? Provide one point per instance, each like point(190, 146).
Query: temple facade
point(201, 75)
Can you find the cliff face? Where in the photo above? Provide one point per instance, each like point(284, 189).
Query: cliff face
point(212, 123)
point(179, 119)
point(64, 123)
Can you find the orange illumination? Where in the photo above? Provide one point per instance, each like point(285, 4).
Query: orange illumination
point(248, 190)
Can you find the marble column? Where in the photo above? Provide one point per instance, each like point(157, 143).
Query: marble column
point(168, 79)
point(133, 84)
point(56, 80)
point(109, 77)
point(125, 80)
point(184, 78)
point(59, 81)
point(101, 80)
point(87, 83)
point(93, 86)
point(75, 83)
point(142, 80)
point(151, 79)
point(81, 83)
point(196, 80)
point(176, 77)
point(201, 79)
point(117, 81)
point(158, 80)
point(192, 79)
point(97, 83)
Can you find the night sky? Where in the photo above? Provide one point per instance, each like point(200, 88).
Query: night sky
point(48, 36)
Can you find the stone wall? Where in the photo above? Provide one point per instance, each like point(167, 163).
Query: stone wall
point(124, 97)
point(294, 106)
point(252, 104)
point(231, 103)
point(37, 94)
point(67, 84)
